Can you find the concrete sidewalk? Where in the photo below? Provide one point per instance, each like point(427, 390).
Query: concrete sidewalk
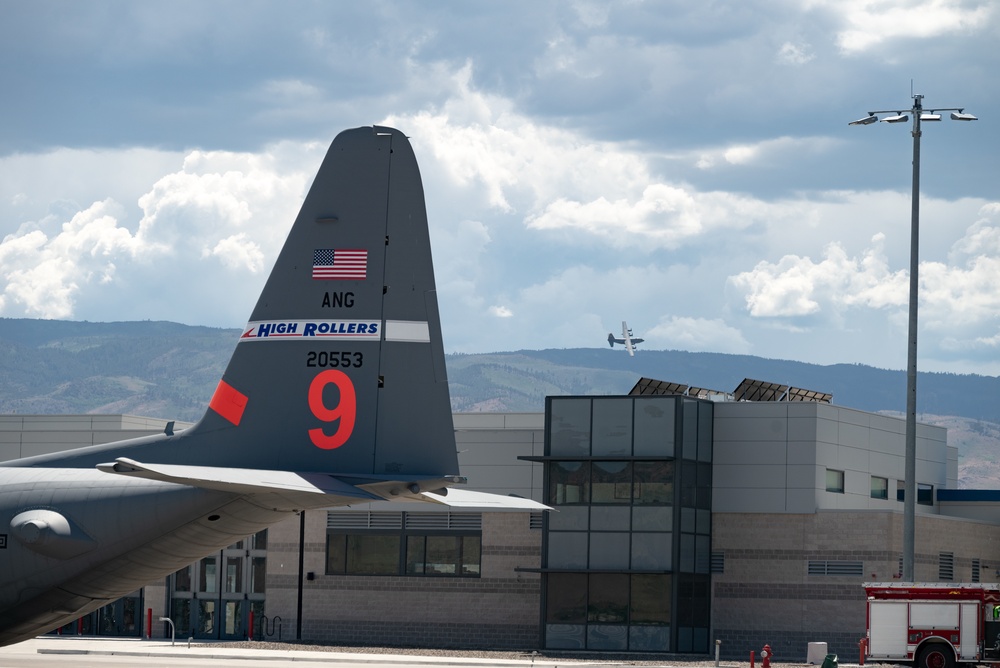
point(138, 647)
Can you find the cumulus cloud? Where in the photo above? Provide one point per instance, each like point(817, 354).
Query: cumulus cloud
point(41, 275)
point(214, 214)
point(959, 299)
point(867, 23)
point(798, 286)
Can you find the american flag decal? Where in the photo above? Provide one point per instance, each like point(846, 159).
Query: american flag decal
point(331, 264)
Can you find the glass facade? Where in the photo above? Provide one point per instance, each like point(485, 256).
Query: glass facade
point(627, 556)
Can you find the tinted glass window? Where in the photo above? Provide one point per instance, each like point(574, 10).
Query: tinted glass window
point(569, 483)
point(612, 427)
point(654, 426)
point(569, 427)
point(611, 482)
point(567, 598)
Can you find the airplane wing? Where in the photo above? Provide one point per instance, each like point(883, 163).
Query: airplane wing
point(240, 481)
point(308, 486)
point(467, 498)
point(627, 335)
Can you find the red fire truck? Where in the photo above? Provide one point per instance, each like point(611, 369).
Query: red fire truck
point(934, 625)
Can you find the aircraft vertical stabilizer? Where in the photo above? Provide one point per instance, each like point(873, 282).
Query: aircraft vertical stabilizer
point(341, 366)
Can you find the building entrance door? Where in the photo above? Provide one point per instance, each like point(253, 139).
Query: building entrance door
point(212, 599)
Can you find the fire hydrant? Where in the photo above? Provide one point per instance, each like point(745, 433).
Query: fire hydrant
point(765, 657)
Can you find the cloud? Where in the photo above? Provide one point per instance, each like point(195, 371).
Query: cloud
point(959, 310)
point(663, 216)
point(798, 286)
point(501, 311)
point(868, 23)
point(548, 177)
point(795, 54)
point(41, 276)
point(212, 217)
point(764, 152)
point(697, 334)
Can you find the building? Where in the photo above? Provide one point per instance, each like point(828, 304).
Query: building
point(683, 516)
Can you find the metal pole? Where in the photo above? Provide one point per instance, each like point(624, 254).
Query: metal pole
point(910, 461)
point(302, 547)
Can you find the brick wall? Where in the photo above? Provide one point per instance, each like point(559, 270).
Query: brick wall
point(765, 594)
point(500, 609)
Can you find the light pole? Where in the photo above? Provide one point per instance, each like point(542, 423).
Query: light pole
point(910, 463)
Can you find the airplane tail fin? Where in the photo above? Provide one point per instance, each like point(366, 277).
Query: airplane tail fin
point(611, 340)
point(341, 367)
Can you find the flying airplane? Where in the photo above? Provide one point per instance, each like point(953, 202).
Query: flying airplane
point(626, 340)
point(336, 394)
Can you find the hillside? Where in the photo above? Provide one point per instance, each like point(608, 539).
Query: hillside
point(164, 369)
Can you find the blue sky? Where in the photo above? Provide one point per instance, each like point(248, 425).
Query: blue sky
point(687, 167)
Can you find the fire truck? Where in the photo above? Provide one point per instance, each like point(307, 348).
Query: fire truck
point(934, 625)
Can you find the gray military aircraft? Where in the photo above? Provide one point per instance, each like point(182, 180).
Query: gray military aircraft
point(336, 394)
point(626, 339)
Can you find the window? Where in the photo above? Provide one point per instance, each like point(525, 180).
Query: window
point(566, 598)
point(835, 481)
point(182, 579)
point(258, 575)
point(569, 428)
point(206, 573)
point(569, 483)
point(654, 483)
point(925, 493)
point(362, 554)
point(611, 482)
point(422, 544)
point(608, 600)
point(621, 482)
point(442, 555)
point(650, 601)
point(880, 488)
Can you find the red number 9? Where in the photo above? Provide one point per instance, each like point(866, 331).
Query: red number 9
point(345, 411)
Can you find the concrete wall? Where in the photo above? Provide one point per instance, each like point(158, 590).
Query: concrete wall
point(30, 435)
point(773, 457)
point(489, 445)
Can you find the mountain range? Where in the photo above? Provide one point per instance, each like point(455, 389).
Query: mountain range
point(169, 370)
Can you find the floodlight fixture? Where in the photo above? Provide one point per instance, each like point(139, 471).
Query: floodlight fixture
point(867, 120)
point(898, 118)
point(930, 117)
point(961, 116)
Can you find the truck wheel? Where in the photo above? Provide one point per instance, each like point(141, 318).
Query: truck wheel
point(935, 656)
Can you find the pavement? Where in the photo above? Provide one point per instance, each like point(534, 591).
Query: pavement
point(100, 651)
